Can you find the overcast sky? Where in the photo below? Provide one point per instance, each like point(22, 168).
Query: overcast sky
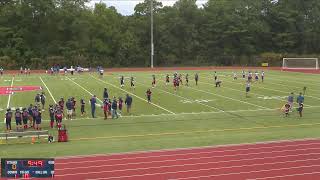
point(126, 7)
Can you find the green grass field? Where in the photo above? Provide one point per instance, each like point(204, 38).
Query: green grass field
point(194, 116)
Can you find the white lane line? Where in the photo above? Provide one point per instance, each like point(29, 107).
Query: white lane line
point(284, 176)
point(84, 89)
point(188, 159)
point(133, 95)
point(207, 169)
point(194, 164)
point(193, 148)
point(48, 90)
point(184, 98)
point(211, 151)
point(9, 98)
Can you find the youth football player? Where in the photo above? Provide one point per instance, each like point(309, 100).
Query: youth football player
point(250, 76)
point(132, 82)
point(82, 109)
point(1, 71)
point(43, 100)
point(167, 79)
point(121, 81)
point(215, 76)
point(148, 93)
point(105, 108)
point(300, 109)
point(247, 88)
point(38, 119)
point(153, 81)
point(18, 118)
point(51, 114)
point(243, 74)
point(25, 118)
point(256, 76)
point(187, 79)
point(262, 76)
point(37, 100)
point(196, 78)
point(290, 101)
point(180, 79)
point(235, 76)
point(120, 104)
point(8, 117)
point(218, 83)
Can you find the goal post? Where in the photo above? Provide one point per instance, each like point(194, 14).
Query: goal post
point(300, 63)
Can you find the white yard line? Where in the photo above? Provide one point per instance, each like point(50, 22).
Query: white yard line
point(84, 89)
point(242, 91)
point(226, 97)
point(9, 98)
point(185, 98)
point(133, 95)
point(272, 89)
point(48, 90)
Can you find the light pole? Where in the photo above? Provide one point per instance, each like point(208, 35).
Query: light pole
point(151, 27)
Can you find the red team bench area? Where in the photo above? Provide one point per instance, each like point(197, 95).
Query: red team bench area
point(288, 160)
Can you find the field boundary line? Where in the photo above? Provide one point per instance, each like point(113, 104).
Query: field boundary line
point(9, 98)
point(212, 107)
point(194, 164)
point(196, 148)
point(48, 90)
point(210, 151)
point(132, 94)
point(83, 89)
point(196, 131)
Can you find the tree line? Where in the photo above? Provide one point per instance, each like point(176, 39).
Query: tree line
point(41, 33)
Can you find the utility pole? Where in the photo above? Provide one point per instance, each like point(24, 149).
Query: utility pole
point(151, 27)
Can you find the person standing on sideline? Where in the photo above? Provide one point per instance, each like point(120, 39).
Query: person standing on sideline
point(247, 88)
point(114, 107)
point(290, 101)
point(93, 102)
point(128, 102)
point(120, 104)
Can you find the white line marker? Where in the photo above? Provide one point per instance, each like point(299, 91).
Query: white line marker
point(193, 148)
point(207, 169)
point(84, 89)
point(185, 98)
point(284, 176)
point(133, 95)
point(231, 98)
point(9, 98)
point(48, 90)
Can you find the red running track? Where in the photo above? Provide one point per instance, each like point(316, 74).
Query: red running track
point(292, 160)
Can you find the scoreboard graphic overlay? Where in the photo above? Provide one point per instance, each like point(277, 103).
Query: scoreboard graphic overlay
point(27, 168)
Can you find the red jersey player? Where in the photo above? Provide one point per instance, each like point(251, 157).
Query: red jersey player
point(149, 95)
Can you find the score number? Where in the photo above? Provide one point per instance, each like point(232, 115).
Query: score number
point(34, 163)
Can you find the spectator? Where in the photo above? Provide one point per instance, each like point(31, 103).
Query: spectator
point(114, 107)
point(93, 102)
point(128, 102)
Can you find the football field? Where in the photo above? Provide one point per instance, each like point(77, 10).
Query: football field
point(193, 116)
